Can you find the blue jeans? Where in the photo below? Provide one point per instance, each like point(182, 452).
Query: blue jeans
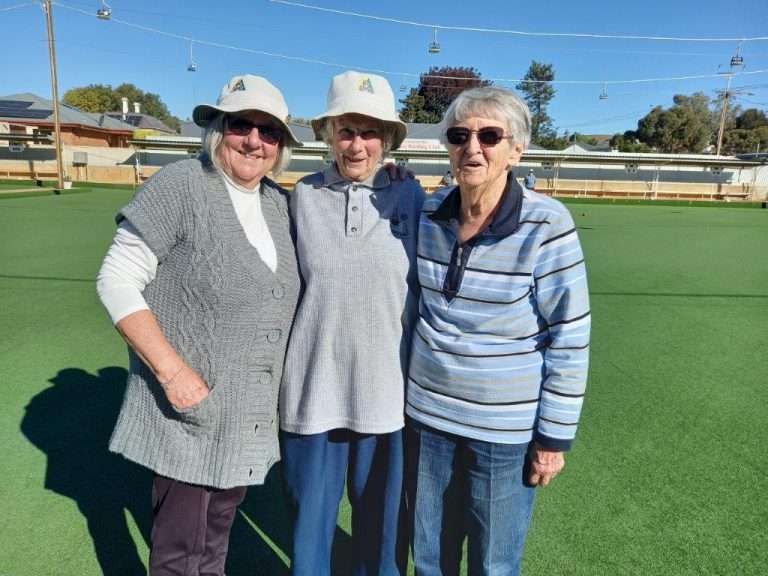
point(315, 468)
point(459, 487)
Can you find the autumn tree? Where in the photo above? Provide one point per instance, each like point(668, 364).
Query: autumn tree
point(436, 90)
point(537, 90)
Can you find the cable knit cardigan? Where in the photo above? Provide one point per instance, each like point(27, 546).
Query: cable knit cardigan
point(226, 313)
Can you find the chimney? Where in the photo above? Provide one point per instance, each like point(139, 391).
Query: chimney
point(124, 100)
point(136, 108)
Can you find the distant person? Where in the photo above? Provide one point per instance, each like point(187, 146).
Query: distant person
point(499, 361)
point(448, 179)
point(341, 402)
point(530, 180)
point(201, 281)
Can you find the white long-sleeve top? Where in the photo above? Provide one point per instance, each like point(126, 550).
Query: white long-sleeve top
point(130, 264)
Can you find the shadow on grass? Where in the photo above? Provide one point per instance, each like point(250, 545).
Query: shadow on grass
point(71, 422)
point(260, 543)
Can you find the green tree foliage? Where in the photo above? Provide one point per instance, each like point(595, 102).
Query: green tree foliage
point(686, 127)
point(751, 118)
point(93, 98)
point(748, 134)
point(104, 98)
point(692, 123)
point(552, 141)
point(628, 142)
point(538, 92)
point(436, 90)
point(741, 141)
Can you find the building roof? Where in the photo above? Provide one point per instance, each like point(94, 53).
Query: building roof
point(30, 108)
point(141, 121)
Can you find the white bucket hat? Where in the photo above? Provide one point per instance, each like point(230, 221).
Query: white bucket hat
point(247, 92)
point(366, 94)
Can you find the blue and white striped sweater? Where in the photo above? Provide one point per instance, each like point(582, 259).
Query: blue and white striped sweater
point(506, 359)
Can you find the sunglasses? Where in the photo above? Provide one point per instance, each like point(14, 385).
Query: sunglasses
point(488, 136)
point(350, 133)
point(240, 126)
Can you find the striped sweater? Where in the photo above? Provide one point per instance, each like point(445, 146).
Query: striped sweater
point(500, 352)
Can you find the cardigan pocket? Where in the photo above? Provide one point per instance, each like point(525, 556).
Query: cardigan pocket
point(200, 418)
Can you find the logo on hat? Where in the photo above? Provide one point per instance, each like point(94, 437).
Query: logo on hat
point(239, 85)
point(365, 85)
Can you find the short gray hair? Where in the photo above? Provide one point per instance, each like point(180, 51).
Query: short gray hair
point(388, 133)
point(490, 102)
point(213, 134)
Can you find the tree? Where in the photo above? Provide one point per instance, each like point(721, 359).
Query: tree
point(687, 126)
point(92, 98)
point(104, 98)
point(435, 92)
point(538, 92)
point(751, 118)
point(628, 142)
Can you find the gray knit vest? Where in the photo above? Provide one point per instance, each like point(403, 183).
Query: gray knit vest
point(227, 314)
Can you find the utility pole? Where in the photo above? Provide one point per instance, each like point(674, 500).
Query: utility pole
point(736, 61)
point(724, 113)
point(48, 9)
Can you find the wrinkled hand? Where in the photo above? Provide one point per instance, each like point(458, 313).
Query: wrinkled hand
point(185, 389)
point(398, 172)
point(545, 465)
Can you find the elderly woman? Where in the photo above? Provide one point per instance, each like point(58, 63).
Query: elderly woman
point(499, 361)
point(202, 282)
point(341, 405)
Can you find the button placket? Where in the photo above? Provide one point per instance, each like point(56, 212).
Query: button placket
point(354, 210)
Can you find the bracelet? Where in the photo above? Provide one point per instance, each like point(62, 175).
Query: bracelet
point(172, 378)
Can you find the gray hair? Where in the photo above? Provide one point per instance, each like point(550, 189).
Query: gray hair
point(213, 134)
point(388, 133)
point(490, 102)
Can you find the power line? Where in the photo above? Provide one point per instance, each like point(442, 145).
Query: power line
point(14, 7)
point(401, 74)
point(513, 32)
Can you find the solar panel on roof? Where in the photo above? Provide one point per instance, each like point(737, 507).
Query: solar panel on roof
point(23, 113)
point(19, 104)
point(21, 109)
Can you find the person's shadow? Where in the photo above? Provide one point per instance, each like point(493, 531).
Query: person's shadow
point(260, 543)
point(71, 423)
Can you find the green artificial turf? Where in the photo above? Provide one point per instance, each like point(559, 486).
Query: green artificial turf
point(669, 474)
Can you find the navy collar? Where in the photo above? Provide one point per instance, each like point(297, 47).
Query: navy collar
point(379, 178)
point(505, 221)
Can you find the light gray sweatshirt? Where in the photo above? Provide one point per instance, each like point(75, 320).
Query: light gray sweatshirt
point(347, 357)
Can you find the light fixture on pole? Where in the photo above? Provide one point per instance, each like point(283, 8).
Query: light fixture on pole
point(105, 12)
point(192, 66)
point(434, 47)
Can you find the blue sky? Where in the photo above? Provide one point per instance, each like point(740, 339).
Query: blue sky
point(127, 50)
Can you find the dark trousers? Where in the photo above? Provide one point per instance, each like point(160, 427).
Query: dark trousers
point(190, 533)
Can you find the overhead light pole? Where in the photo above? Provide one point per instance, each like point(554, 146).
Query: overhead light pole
point(48, 9)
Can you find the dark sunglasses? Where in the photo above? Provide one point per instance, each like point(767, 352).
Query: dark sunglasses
point(488, 136)
point(240, 126)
